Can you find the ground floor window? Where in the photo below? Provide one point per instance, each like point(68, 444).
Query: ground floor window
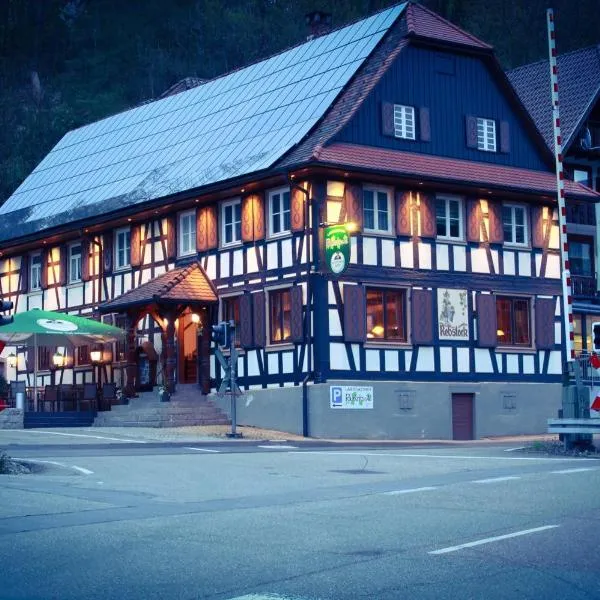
point(514, 321)
point(280, 316)
point(44, 354)
point(83, 355)
point(386, 314)
point(230, 311)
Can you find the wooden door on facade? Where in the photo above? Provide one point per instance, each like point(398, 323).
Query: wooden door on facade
point(188, 349)
point(462, 416)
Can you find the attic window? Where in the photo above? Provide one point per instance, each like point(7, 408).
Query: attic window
point(486, 134)
point(404, 122)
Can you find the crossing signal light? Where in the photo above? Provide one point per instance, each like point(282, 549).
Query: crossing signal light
point(4, 306)
point(596, 333)
point(221, 334)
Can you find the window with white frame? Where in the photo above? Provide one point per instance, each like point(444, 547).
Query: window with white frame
point(35, 272)
point(74, 263)
point(486, 134)
point(279, 211)
point(122, 248)
point(377, 212)
point(449, 218)
point(404, 121)
point(231, 222)
point(187, 233)
point(514, 221)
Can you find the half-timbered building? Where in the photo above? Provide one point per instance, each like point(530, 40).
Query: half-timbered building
point(212, 204)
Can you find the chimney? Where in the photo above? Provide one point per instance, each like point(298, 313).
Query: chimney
point(318, 23)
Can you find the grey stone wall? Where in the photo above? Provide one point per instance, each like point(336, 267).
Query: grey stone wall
point(11, 418)
point(412, 410)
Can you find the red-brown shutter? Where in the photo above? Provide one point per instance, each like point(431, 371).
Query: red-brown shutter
point(64, 261)
point(504, 137)
point(387, 118)
point(354, 201)
point(473, 221)
point(355, 313)
point(107, 252)
point(424, 124)
point(201, 239)
point(246, 321)
point(247, 219)
point(471, 131)
point(297, 324)
point(136, 246)
point(428, 225)
point(206, 228)
point(212, 221)
point(487, 336)
point(260, 321)
point(171, 237)
point(258, 215)
point(422, 317)
point(496, 232)
point(544, 323)
point(24, 271)
point(537, 227)
point(44, 271)
point(403, 207)
point(85, 260)
point(297, 209)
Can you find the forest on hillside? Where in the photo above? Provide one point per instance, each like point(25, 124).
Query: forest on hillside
point(65, 63)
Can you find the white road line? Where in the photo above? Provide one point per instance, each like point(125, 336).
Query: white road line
point(409, 491)
point(278, 447)
point(515, 449)
point(58, 464)
point(96, 437)
point(264, 597)
point(492, 539)
point(495, 479)
point(202, 449)
point(565, 471)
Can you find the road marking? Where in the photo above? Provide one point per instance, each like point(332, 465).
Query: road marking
point(515, 449)
point(493, 539)
point(495, 479)
point(279, 447)
point(202, 449)
point(58, 464)
point(264, 597)
point(565, 471)
point(96, 437)
point(409, 491)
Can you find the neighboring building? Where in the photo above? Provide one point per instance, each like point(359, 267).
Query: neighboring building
point(579, 97)
point(208, 204)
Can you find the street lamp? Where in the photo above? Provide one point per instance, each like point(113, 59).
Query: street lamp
point(12, 360)
point(58, 360)
point(96, 356)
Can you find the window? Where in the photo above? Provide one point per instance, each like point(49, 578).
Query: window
point(577, 333)
point(449, 217)
point(122, 248)
point(404, 122)
point(513, 321)
point(44, 358)
point(74, 263)
point(83, 355)
point(230, 311)
point(486, 134)
point(279, 211)
point(582, 175)
point(514, 221)
point(280, 321)
point(121, 344)
point(376, 210)
point(580, 258)
point(187, 233)
point(335, 200)
point(35, 272)
point(386, 314)
point(231, 220)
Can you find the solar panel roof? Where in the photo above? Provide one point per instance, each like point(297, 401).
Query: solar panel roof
point(231, 126)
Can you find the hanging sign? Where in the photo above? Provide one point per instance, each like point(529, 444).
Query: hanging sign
point(337, 248)
point(453, 314)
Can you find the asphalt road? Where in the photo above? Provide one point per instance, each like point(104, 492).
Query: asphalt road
point(112, 520)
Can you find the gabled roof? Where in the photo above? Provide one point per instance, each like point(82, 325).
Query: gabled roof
point(231, 126)
point(185, 285)
point(578, 91)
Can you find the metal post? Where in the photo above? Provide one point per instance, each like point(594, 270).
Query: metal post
point(233, 384)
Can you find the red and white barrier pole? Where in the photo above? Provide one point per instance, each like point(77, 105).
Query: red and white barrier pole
point(567, 293)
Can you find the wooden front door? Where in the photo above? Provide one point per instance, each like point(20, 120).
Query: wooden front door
point(188, 348)
point(462, 416)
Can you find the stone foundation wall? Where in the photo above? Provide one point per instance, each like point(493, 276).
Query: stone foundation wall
point(11, 418)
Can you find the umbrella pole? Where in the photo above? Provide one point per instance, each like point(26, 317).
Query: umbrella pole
point(35, 369)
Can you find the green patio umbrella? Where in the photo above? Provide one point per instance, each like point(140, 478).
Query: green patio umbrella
point(36, 327)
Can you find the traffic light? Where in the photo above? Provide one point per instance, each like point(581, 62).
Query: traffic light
point(596, 333)
point(4, 306)
point(221, 335)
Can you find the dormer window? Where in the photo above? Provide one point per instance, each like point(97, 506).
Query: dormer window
point(75, 263)
point(486, 134)
point(35, 273)
point(404, 122)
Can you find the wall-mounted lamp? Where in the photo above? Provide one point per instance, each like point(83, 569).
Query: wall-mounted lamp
point(96, 356)
point(195, 318)
point(58, 360)
point(12, 360)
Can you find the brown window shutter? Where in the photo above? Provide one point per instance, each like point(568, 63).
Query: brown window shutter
point(260, 321)
point(403, 208)
point(206, 228)
point(471, 131)
point(171, 237)
point(136, 246)
point(353, 201)
point(258, 215)
point(487, 336)
point(201, 237)
point(473, 221)
point(427, 210)
point(544, 323)
point(496, 232)
point(355, 313)
point(246, 321)
point(108, 252)
point(24, 271)
point(297, 321)
point(248, 218)
point(422, 317)
point(537, 227)
point(297, 209)
point(85, 260)
point(30, 360)
point(64, 261)
point(387, 118)
point(424, 124)
point(504, 137)
point(212, 226)
point(44, 273)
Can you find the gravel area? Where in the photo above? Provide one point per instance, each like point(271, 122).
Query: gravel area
point(557, 448)
point(11, 467)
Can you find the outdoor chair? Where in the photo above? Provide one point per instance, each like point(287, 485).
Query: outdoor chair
point(50, 397)
point(89, 398)
point(66, 395)
point(109, 395)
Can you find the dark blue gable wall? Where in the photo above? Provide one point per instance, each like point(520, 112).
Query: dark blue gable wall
point(415, 79)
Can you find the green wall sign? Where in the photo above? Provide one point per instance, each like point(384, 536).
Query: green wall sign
point(337, 248)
